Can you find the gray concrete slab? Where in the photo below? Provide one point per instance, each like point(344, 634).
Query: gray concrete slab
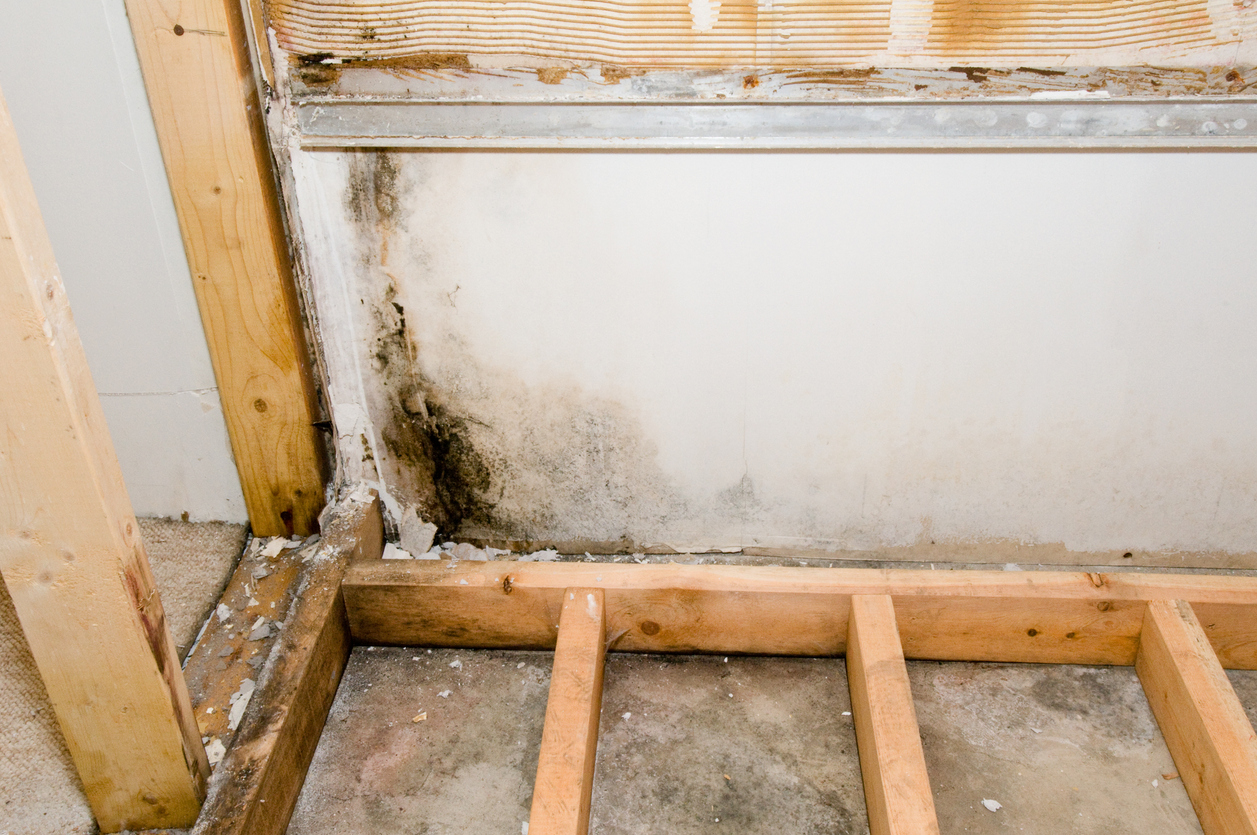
point(692, 745)
point(467, 767)
point(751, 745)
point(1061, 748)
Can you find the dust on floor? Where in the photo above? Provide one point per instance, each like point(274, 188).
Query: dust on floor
point(445, 741)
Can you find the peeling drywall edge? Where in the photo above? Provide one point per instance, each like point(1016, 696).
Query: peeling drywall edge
point(324, 291)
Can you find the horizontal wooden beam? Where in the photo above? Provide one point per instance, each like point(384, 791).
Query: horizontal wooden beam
point(1049, 617)
point(892, 761)
point(1201, 718)
point(569, 741)
point(256, 786)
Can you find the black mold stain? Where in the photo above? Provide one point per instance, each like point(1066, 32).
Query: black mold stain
point(372, 197)
point(425, 438)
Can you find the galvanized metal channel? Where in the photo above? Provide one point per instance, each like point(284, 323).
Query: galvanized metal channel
point(1024, 124)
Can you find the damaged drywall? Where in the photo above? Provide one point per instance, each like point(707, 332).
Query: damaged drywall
point(1046, 354)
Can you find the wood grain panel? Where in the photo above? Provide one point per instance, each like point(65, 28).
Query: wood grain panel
point(745, 33)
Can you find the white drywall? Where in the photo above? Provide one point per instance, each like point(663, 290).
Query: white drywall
point(71, 78)
point(853, 351)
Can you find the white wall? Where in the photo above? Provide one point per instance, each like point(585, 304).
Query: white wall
point(838, 351)
point(71, 78)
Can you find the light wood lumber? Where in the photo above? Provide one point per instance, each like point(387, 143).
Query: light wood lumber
point(70, 549)
point(892, 761)
point(206, 109)
point(1201, 718)
point(1048, 617)
point(220, 660)
point(569, 741)
point(256, 786)
point(744, 33)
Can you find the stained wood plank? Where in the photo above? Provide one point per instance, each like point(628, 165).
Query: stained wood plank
point(1051, 617)
point(70, 549)
point(1202, 720)
point(892, 762)
point(671, 34)
point(207, 113)
point(565, 767)
point(256, 786)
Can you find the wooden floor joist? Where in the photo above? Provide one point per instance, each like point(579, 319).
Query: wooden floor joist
point(1201, 718)
point(256, 786)
point(569, 740)
point(892, 762)
point(1035, 616)
point(876, 617)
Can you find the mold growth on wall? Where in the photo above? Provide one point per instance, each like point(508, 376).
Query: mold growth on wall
point(744, 351)
point(476, 450)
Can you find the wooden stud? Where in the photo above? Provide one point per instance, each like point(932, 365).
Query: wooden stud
point(896, 785)
point(208, 117)
point(569, 741)
point(1201, 718)
point(1039, 616)
point(255, 788)
point(70, 548)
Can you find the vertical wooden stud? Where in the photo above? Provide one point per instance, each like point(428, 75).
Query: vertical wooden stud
point(207, 111)
point(1201, 718)
point(70, 549)
point(892, 762)
point(569, 742)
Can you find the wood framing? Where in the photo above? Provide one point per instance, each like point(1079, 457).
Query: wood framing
point(256, 786)
point(1038, 616)
point(876, 617)
point(892, 762)
point(208, 117)
point(1203, 722)
point(569, 741)
point(70, 549)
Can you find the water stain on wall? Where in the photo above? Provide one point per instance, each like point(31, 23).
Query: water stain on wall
point(475, 449)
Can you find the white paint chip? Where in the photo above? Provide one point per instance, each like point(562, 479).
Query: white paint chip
point(223, 612)
point(627, 716)
point(704, 13)
point(445, 694)
point(392, 552)
point(456, 664)
point(215, 751)
point(992, 805)
point(273, 547)
point(239, 701)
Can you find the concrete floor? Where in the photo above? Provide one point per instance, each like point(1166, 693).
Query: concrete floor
point(697, 744)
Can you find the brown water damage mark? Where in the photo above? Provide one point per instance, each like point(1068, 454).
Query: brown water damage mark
point(977, 75)
point(614, 74)
point(980, 26)
point(320, 69)
point(552, 75)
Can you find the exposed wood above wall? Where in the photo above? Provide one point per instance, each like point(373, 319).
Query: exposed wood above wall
point(434, 34)
point(208, 119)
